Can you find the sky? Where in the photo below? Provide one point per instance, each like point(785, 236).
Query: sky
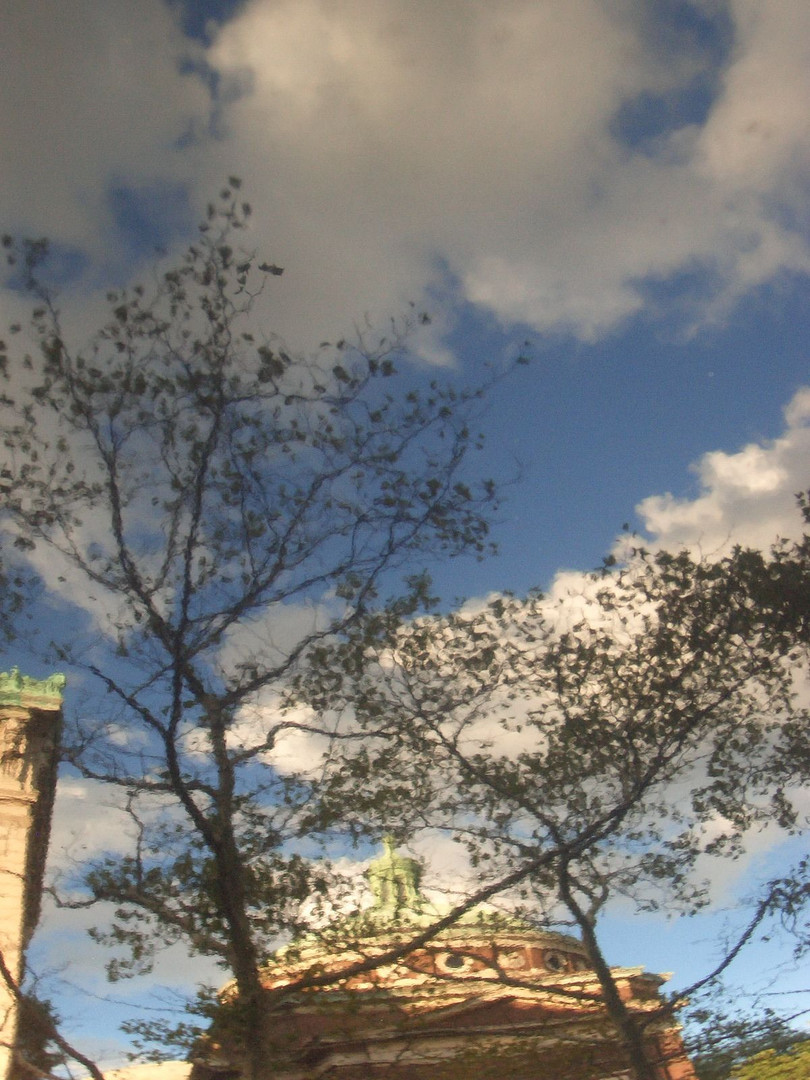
point(621, 184)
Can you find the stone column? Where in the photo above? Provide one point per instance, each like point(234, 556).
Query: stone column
point(30, 720)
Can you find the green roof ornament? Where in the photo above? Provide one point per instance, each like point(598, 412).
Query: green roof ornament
point(17, 689)
point(394, 881)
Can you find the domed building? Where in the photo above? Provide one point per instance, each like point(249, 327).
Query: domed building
point(488, 997)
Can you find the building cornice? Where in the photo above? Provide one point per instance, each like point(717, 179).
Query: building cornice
point(25, 692)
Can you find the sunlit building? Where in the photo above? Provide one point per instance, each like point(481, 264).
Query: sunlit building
point(489, 997)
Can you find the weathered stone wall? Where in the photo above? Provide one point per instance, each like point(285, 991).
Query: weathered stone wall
point(30, 719)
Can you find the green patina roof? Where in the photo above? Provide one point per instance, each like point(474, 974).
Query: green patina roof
point(394, 881)
point(17, 689)
point(399, 910)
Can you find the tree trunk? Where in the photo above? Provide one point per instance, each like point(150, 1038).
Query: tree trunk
point(623, 1020)
point(621, 1017)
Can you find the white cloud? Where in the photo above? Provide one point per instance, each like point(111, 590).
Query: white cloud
point(295, 750)
point(746, 497)
point(87, 821)
point(758, 133)
point(392, 147)
point(481, 142)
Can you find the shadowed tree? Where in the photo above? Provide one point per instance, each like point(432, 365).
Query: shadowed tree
point(621, 750)
point(216, 506)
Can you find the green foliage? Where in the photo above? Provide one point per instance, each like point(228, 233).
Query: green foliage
point(745, 1046)
point(790, 1064)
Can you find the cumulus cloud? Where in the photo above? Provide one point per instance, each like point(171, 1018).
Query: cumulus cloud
point(757, 133)
point(746, 497)
point(392, 149)
point(483, 141)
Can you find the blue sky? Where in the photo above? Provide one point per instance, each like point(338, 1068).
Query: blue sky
point(597, 427)
point(622, 185)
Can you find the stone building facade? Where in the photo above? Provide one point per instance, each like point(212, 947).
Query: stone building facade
point(490, 997)
point(30, 721)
